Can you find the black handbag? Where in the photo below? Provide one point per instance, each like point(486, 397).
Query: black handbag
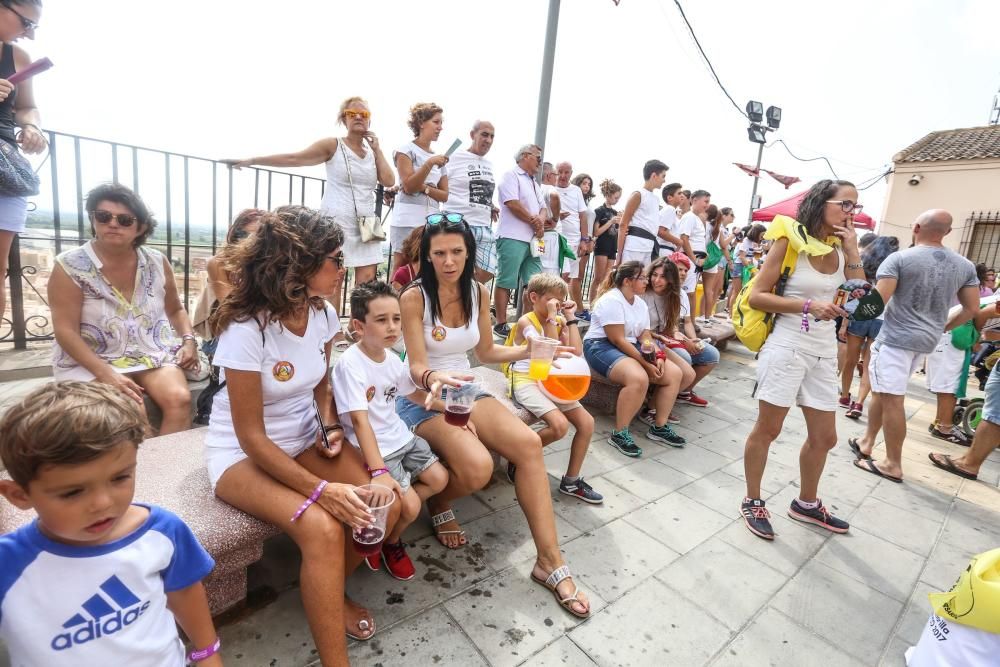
point(17, 178)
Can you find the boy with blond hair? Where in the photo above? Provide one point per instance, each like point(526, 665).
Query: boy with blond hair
point(546, 295)
point(95, 579)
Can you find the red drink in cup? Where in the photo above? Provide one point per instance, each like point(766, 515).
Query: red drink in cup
point(457, 415)
point(458, 403)
point(367, 540)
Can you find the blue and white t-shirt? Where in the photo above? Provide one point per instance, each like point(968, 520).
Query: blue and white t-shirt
point(97, 605)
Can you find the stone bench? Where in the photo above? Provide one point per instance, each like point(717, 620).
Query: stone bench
point(171, 473)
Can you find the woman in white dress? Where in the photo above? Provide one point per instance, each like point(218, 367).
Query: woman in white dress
point(351, 177)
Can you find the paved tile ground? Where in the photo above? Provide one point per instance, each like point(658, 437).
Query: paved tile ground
point(674, 576)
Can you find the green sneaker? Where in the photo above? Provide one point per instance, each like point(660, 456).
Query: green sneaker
point(623, 442)
point(665, 434)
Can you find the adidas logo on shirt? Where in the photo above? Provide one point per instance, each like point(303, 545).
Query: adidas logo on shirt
point(104, 618)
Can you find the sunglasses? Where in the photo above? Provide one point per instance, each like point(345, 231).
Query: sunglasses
point(362, 114)
point(846, 205)
point(105, 217)
point(338, 260)
point(26, 23)
point(445, 218)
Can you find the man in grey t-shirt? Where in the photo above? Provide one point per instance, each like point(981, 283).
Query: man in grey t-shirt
point(919, 285)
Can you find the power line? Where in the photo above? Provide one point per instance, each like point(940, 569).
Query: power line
point(806, 159)
point(874, 181)
point(707, 61)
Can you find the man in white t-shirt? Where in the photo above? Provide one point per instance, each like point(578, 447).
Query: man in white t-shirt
point(673, 194)
point(694, 237)
point(574, 228)
point(470, 192)
point(550, 200)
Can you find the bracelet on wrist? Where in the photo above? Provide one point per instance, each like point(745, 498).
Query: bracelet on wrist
point(859, 265)
point(309, 501)
point(572, 322)
point(205, 653)
point(377, 472)
point(333, 427)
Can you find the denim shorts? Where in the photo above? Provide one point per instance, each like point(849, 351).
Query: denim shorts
point(410, 461)
point(415, 414)
point(864, 328)
point(708, 356)
point(602, 355)
point(991, 407)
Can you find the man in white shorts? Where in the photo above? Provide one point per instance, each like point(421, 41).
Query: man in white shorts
point(470, 192)
point(919, 285)
point(574, 228)
point(640, 223)
point(694, 239)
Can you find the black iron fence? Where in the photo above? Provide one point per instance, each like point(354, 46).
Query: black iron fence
point(194, 199)
point(981, 240)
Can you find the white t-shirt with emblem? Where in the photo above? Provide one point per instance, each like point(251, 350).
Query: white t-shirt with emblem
point(67, 606)
point(470, 188)
point(360, 383)
point(290, 367)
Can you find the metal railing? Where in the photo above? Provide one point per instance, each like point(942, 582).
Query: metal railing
point(194, 200)
point(981, 238)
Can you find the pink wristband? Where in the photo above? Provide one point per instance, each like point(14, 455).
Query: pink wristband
point(198, 656)
point(805, 316)
point(311, 499)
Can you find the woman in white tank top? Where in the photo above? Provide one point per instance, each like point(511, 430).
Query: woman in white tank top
point(445, 316)
point(798, 363)
point(355, 159)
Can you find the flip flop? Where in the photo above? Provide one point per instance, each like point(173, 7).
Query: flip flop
point(856, 448)
point(948, 465)
point(869, 466)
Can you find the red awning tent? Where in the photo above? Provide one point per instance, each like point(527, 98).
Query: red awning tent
point(790, 207)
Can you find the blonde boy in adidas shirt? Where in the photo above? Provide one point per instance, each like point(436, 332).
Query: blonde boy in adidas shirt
point(366, 382)
point(95, 579)
point(547, 294)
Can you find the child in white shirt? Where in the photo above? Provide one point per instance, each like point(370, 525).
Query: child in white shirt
point(366, 383)
point(95, 579)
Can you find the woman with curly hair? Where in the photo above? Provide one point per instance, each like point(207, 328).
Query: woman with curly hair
point(265, 451)
point(423, 177)
point(798, 363)
point(116, 311)
point(352, 174)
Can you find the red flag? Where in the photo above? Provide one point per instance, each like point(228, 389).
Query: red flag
point(748, 169)
point(787, 181)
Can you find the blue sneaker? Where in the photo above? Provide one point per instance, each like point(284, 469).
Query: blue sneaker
point(623, 442)
point(584, 315)
point(580, 489)
point(665, 434)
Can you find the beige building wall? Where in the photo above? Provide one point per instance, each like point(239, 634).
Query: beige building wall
point(958, 186)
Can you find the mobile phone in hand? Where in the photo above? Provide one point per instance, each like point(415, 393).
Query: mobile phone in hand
point(322, 428)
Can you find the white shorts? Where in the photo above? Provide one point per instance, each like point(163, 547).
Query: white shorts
point(944, 366)
point(572, 266)
point(714, 269)
point(642, 256)
point(787, 377)
point(13, 214)
point(691, 282)
point(890, 368)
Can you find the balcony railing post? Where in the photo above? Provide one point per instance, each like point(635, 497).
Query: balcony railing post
point(16, 296)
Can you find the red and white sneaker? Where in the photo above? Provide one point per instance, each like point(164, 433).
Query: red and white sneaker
point(397, 562)
point(374, 562)
point(692, 398)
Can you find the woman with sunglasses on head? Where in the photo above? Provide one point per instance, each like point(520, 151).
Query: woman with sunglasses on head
point(423, 177)
point(18, 18)
point(619, 346)
point(355, 165)
point(445, 316)
point(274, 447)
point(798, 362)
point(116, 312)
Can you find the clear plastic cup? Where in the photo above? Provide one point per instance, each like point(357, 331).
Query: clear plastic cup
point(458, 403)
point(542, 352)
point(368, 540)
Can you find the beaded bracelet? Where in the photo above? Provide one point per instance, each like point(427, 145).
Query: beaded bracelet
point(310, 500)
point(805, 316)
point(205, 653)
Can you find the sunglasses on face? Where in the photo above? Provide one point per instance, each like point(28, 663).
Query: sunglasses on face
point(362, 114)
point(105, 217)
point(338, 260)
point(26, 23)
point(846, 205)
point(445, 218)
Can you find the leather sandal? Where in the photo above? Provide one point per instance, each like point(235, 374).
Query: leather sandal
point(443, 518)
point(555, 577)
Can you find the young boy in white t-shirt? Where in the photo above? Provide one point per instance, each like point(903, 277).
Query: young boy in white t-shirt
point(366, 383)
point(95, 579)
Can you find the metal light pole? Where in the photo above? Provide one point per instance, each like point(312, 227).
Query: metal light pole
point(753, 195)
point(757, 133)
point(545, 86)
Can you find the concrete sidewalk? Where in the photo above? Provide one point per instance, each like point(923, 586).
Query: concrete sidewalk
point(673, 575)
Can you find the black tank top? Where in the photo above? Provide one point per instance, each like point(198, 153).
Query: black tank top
point(7, 106)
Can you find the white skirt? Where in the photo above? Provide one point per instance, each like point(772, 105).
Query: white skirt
point(357, 252)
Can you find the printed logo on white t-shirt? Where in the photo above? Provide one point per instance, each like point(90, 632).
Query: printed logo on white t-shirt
point(102, 616)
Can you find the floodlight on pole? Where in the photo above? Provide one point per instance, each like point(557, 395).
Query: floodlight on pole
point(773, 117)
point(756, 134)
point(755, 111)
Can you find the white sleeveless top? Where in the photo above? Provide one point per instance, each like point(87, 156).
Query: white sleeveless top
point(646, 217)
point(448, 348)
point(339, 199)
point(808, 283)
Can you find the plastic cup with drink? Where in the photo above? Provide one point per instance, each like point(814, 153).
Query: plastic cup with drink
point(458, 403)
point(542, 352)
point(368, 539)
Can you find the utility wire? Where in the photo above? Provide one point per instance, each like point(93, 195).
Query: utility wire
point(806, 159)
point(875, 180)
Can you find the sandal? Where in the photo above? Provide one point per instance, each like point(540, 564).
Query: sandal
point(363, 625)
point(443, 518)
point(945, 462)
point(869, 466)
point(555, 577)
point(856, 448)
